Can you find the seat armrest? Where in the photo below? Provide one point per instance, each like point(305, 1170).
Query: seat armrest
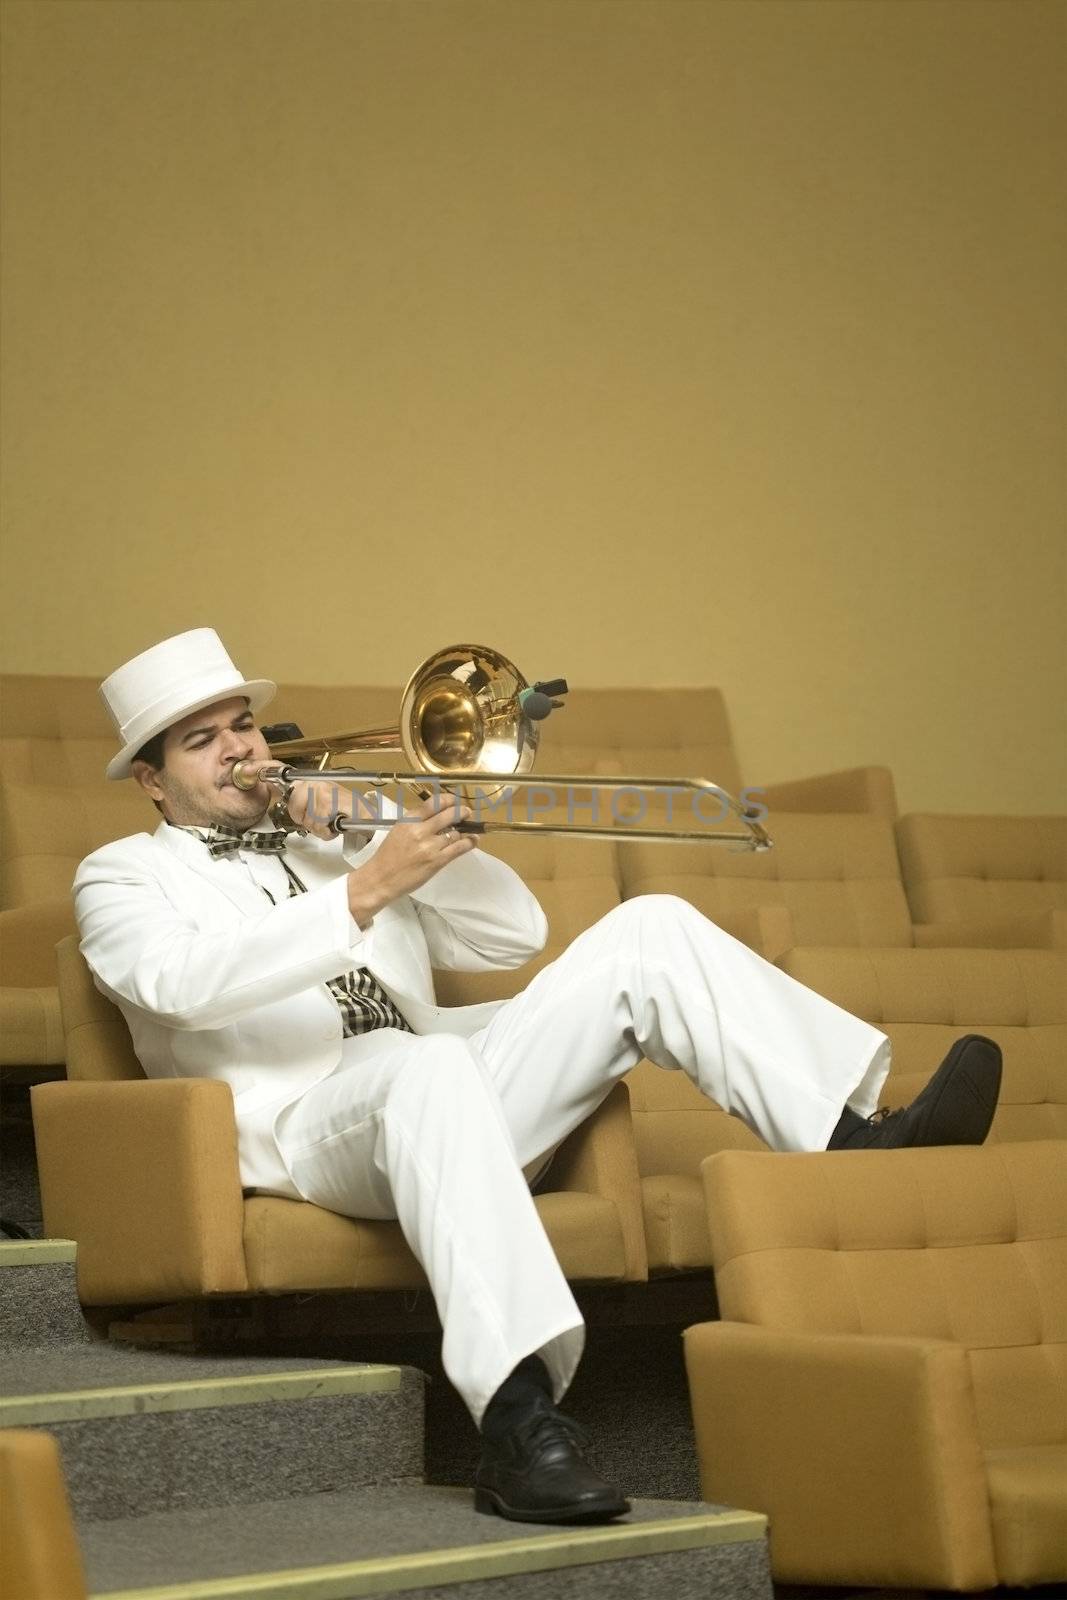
point(28, 938)
point(868, 789)
point(824, 1432)
point(39, 1555)
point(600, 1158)
point(1039, 930)
point(144, 1175)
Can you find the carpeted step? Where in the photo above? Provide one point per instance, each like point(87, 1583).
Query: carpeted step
point(142, 1431)
point(39, 1294)
point(340, 1545)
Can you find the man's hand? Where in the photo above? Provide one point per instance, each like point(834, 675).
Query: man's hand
point(414, 850)
point(314, 806)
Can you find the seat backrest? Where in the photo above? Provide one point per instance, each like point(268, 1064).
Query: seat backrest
point(53, 730)
point(55, 761)
point(962, 1243)
point(576, 883)
point(655, 733)
point(319, 710)
point(47, 830)
point(676, 1127)
point(838, 876)
point(97, 1039)
point(980, 868)
point(925, 999)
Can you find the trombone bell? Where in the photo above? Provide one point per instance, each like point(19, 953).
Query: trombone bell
point(461, 714)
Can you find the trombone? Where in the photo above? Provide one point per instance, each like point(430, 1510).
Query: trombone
point(469, 726)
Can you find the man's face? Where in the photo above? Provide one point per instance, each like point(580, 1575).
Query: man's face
point(193, 785)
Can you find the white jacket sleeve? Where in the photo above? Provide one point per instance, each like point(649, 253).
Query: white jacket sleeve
point(145, 951)
point(478, 915)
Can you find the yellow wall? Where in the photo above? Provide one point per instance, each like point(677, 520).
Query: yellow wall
point(661, 341)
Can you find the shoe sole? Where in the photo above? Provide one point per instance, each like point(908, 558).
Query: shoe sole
point(491, 1505)
point(976, 1082)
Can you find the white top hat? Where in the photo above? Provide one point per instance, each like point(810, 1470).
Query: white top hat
point(164, 684)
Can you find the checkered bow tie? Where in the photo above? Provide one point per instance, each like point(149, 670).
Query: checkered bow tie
point(223, 842)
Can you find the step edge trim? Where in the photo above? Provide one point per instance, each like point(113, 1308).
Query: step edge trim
point(194, 1394)
point(455, 1564)
point(36, 1252)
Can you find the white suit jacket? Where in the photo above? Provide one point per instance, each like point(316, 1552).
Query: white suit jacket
point(216, 982)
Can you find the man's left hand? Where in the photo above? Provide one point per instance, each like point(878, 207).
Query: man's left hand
point(317, 806)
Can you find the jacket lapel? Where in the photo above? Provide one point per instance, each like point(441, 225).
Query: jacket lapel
point(193, 853)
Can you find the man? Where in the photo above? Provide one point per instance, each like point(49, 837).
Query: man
point(298, 969)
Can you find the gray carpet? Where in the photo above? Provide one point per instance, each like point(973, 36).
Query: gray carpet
point(232, 1456)
point(335, 1527)
point(789, 1591)
point(630, 1392)
point(39, 1306)
point(734, 1572)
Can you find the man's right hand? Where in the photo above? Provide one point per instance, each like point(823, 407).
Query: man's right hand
point(414, 851)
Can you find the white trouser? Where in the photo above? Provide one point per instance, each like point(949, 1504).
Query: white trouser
point(435, 1130)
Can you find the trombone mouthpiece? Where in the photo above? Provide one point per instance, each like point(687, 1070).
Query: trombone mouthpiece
point(245, 774)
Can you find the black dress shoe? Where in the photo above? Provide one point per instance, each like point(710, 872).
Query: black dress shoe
point(535, 1473)
point(956, 1107)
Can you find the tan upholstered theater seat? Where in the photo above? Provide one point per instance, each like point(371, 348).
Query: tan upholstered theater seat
point(48, 830)
point(924, 999)
point(672, 733)
point(45, 830)
point(576, 883)
point(55, 806)
point(655, 733)
point(675, 1129)
point(53, 730)
point(986, 880)
point(39, 1555)
point(889, 1381)
point(144, 1175)
point(31, 1028)
point(828, 880)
